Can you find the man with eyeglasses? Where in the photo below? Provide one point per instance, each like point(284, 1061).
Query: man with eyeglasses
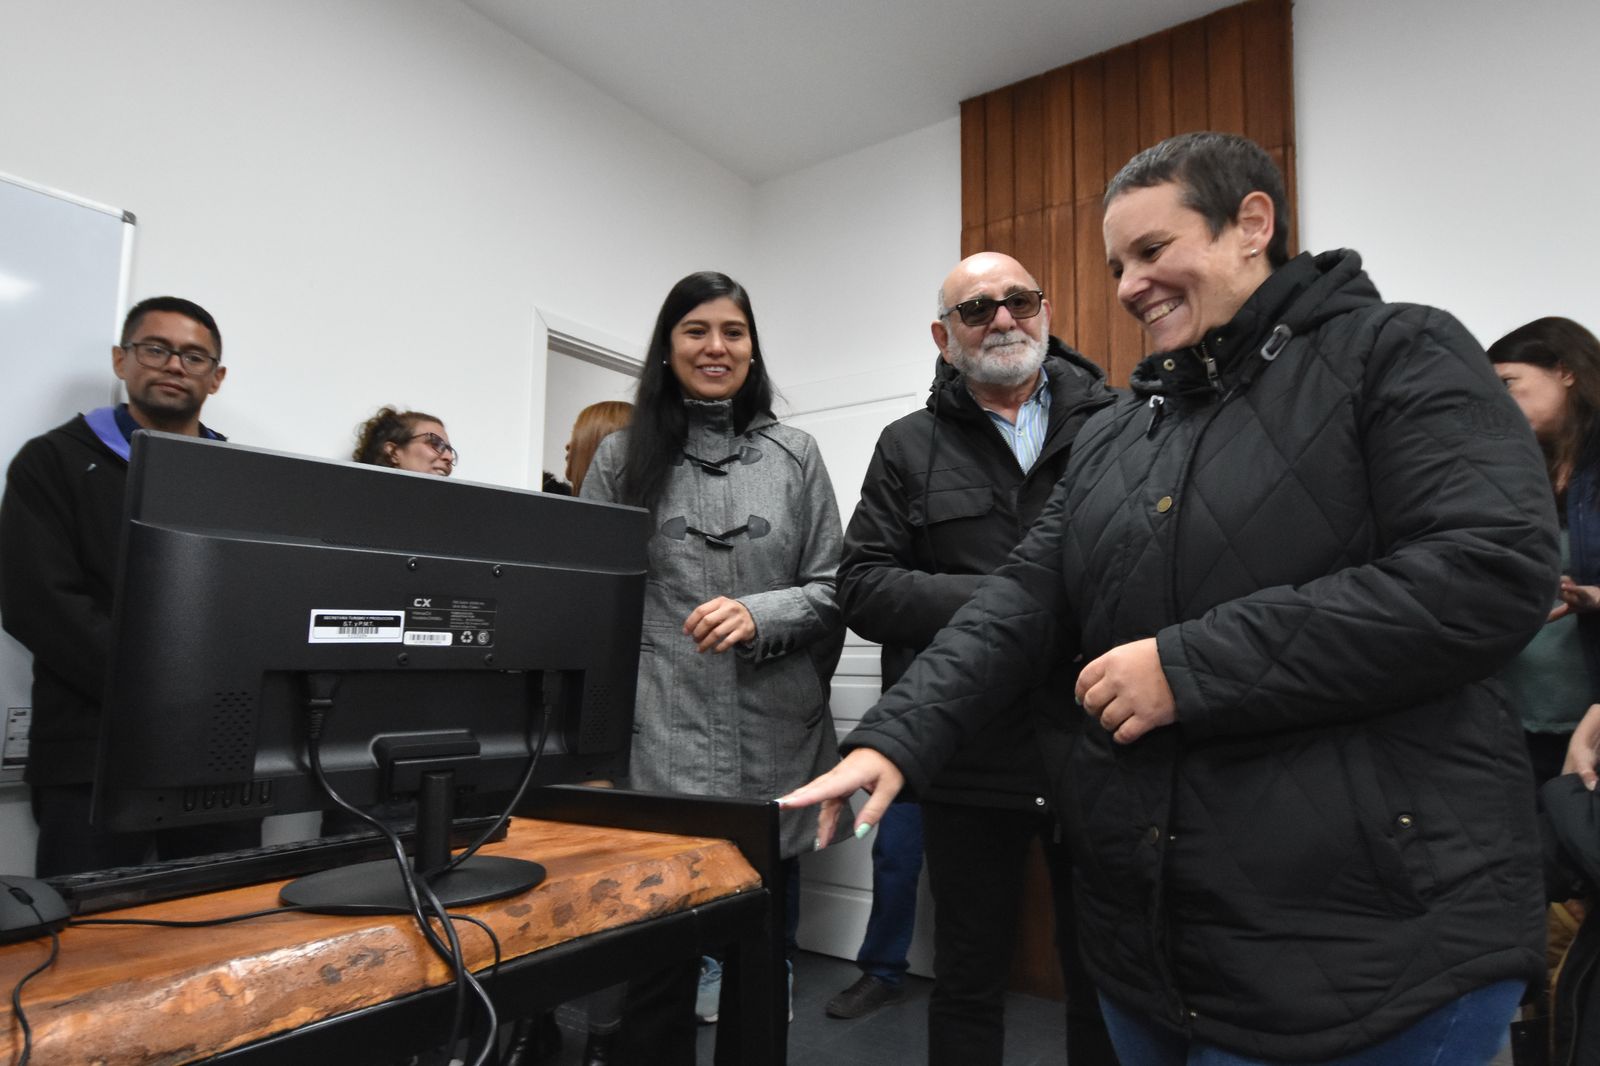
point(951, 489)
point(60, 521)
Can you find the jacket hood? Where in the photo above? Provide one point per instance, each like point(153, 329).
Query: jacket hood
point(1299, 296)
point(1061, 364)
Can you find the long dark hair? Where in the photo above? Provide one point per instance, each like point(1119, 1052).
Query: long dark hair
point(1556, 343)
point(660, 425)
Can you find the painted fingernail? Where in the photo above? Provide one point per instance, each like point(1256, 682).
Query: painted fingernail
point(862, 830)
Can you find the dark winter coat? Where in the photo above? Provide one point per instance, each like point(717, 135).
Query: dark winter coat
point(943, 503)
point(1572, 862)
point(1336, 524)
point(59, 526)
point(1583, 540)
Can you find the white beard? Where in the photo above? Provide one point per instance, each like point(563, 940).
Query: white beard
point(987, 366)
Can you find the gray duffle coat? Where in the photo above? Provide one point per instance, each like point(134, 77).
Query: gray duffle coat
point(753, 722)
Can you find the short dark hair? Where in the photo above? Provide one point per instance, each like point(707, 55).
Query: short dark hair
point(1216, 172)
point(176, 305)
point(660, 425)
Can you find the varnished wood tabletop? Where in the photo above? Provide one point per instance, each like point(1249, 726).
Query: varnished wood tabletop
point(140, 994)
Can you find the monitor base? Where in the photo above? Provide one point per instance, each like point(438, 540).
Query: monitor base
point(356, 889)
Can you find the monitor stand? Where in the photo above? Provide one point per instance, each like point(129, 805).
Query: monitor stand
point(358, 888)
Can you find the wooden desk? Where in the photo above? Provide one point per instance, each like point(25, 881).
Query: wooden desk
point(296, 987)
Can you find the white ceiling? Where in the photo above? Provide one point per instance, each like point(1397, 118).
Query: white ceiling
point(767, 87)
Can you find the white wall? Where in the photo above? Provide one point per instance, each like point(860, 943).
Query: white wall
point(848, 256)
point(1453, 143)
point(371, 196)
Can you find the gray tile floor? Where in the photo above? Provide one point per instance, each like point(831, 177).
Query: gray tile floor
point(897, 1035)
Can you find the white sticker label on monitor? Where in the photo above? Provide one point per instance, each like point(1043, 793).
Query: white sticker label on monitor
point(441, 640)
point(330, 626)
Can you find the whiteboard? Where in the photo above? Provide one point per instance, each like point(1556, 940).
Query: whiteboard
point(64, 273)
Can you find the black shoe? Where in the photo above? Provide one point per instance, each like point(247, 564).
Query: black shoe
point(862, 998)
point(533, 1040)
point(598, 1051)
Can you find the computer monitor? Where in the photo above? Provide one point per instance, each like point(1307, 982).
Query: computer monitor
point(444, 623)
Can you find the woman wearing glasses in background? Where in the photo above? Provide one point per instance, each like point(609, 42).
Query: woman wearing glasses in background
point(406, 440)
point(741, 627)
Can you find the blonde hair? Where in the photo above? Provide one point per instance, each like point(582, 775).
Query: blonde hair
point(595, 423)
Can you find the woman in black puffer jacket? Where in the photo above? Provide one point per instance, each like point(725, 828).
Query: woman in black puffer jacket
point(1302, 823)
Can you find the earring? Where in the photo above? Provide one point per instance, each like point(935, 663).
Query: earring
point(1254, 252)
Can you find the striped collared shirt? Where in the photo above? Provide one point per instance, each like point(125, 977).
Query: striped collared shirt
point(1026, 438)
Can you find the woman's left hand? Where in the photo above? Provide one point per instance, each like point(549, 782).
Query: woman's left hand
point(1576, 597)
point(719, 624)
point(1127, 691)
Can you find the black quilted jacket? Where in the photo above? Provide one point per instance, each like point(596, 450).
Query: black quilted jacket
point(943, 504)
point(1335, 530)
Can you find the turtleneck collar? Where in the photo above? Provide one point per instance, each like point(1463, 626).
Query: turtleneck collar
point(712, 414)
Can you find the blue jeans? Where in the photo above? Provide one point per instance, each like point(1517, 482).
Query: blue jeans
point(896, 868)
point(1464, 1032)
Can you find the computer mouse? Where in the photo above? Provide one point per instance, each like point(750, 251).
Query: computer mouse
point(29, 908)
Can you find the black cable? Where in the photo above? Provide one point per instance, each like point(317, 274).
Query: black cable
point(516, 799)
point(16, 997)
point(319, 702)
point(466, 977)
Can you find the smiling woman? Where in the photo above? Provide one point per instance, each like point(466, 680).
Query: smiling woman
point(741, 629)
point(406, 440)
point(1289, 561)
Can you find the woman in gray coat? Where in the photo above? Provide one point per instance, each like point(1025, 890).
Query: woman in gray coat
point(741, 627)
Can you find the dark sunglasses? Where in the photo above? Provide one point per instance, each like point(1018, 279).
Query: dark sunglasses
point(981, 311)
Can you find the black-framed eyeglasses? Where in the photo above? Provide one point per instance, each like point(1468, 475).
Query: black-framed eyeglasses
point(981, 311)
point(157, 356)
point(441, 447)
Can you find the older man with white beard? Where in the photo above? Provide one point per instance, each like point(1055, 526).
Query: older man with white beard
point(951, 490)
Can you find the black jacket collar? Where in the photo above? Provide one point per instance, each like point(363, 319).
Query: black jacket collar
point(1298, 296)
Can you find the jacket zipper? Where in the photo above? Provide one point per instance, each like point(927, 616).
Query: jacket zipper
point(1158, 407)
point(1184, 1017)
point(1212, 377)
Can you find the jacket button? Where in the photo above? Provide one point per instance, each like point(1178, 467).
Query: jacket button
point(1164, 505)
point(1152, 835)
point(1405, 821)
point(1038, 801)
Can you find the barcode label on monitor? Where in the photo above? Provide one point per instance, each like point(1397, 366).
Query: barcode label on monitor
point(415, 637)
point(330, 626)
